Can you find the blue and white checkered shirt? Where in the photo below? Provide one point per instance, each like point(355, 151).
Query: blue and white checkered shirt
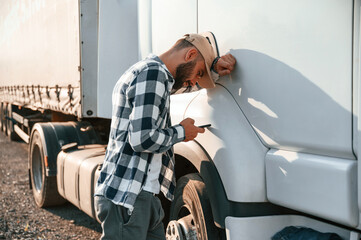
point(140, 128)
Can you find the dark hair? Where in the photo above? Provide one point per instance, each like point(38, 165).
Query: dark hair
point(182, 43)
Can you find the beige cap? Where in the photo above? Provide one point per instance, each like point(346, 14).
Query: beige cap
point(207, 46)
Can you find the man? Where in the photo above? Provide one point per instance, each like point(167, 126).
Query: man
point(139, 159)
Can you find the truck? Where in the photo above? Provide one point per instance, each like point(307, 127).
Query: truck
point(283, 145)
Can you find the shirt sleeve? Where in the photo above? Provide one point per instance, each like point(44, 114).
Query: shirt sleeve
point(147, 95)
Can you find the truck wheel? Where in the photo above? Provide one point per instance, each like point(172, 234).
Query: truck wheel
point(3, 118)
point(10, 132)
point(44, 187)
point(191, 211)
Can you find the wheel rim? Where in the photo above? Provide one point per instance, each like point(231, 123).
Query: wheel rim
point(37, 168)
point(183, 228)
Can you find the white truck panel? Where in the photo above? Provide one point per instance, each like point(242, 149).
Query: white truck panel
point(89, 25)
point(322, 186)
point(39, 41)
point(357, 94)
point(179, 105)
point(171, 19)
point(356, 75)
point(39, 47)
point(293, 77)
point(260, 228)
point(66, 55)
point(118, 48)
point(232, 144)
point(145, 27)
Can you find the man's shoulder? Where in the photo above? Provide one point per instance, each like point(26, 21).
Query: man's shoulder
point(149, 64)
point(149, 69)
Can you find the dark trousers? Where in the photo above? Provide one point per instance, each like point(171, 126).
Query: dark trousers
point(145, 222)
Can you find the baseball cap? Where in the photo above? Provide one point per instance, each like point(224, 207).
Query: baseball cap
point(207, 46)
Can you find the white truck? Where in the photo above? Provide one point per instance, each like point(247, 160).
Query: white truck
point(285, 137)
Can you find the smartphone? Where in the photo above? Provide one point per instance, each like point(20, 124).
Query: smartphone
point(205, 126)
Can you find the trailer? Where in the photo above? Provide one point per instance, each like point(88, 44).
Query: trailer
point(283, 145)
point(59, 63)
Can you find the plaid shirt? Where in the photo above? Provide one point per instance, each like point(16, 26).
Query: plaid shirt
point(140, 128)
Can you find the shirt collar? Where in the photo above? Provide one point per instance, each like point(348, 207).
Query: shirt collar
point(156, 58)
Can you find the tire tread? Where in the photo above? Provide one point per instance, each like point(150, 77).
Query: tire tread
point(191, 187)
point(48, 195)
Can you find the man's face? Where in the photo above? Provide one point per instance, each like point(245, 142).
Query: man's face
point(188, 74)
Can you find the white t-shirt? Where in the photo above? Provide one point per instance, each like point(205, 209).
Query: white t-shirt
point(151, 182)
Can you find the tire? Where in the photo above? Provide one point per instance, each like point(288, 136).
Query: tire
point(10, 132)
point(1, 116)
point(3, 119)
point(191, 202)
point(45, 190)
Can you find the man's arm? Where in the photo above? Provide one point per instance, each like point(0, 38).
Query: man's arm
point(147, 93)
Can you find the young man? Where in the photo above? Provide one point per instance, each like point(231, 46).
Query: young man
point(139, 159)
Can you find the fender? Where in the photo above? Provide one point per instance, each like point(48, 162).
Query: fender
point(221, 206)
point(194, 153)
point(54, 135)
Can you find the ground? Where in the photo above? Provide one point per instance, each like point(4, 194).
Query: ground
point(20, 218)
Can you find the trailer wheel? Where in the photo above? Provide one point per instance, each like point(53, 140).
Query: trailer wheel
point(10, 132)
point(191, 211)
point(44, 187)
point(3, 118)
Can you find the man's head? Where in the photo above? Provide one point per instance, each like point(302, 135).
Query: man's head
point(196, 55)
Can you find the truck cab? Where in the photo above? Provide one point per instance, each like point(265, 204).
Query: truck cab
point(285, 123)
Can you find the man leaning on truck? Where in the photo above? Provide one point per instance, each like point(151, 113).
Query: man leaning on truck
point(139, 160)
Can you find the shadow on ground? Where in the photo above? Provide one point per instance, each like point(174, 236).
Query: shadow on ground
point(71, 213)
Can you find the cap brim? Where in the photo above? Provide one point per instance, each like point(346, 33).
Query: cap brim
point(208, 82)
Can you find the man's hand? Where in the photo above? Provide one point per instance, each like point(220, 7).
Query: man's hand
point(191, 131)
point(225, 64)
